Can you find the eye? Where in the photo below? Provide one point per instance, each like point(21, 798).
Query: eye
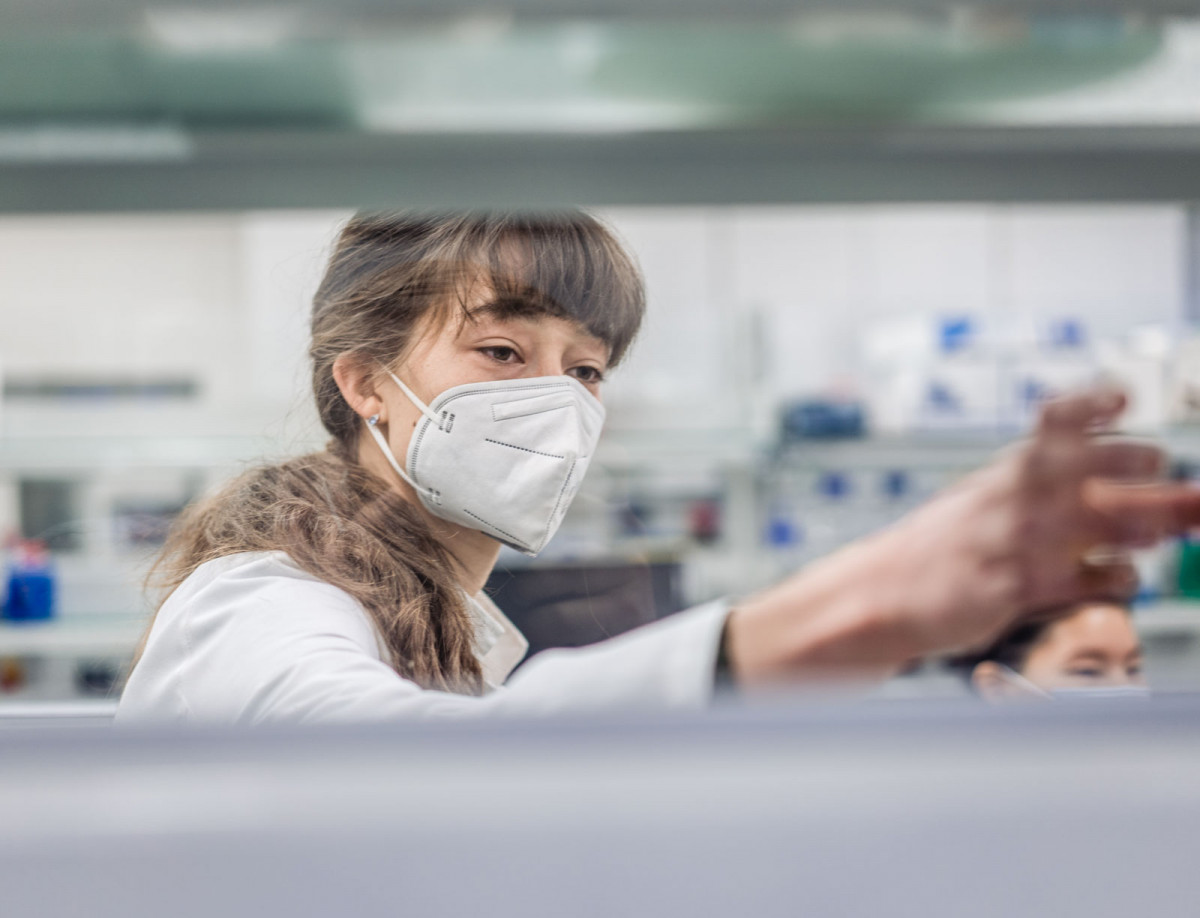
point(500, 353)
point(1086, 672)
point(587, 375)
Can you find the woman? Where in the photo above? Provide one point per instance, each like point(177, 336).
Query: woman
point(1091, 651)
point(457, 365)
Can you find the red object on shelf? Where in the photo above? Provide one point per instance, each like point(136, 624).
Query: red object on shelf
point(12, 674)
point(704, 521)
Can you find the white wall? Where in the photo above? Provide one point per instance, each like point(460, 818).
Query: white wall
point(222, 299)
point(1115, 266)
point(746, 304)
point(116, 294)
point(681, 369)
point(814, 279)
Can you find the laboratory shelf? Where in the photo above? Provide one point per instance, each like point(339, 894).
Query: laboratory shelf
point(737, 448)
point(946, 449)
point(88, 454)
point(76, 712)
point(632, 448)
point(92, 636)
point(618, 448)
point(1168, 616)
point(118, 636)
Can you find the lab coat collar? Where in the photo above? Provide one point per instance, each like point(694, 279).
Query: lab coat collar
point(499, 645)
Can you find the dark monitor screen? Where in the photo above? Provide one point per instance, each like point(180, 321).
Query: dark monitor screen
point(576, 604)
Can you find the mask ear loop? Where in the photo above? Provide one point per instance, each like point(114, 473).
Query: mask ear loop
point(1013, 676)
point(372, 426)
point(412, 397)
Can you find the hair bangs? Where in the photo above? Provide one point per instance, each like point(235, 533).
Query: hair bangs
point(569, 266)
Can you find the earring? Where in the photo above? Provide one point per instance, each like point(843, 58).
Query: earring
point(373, 420)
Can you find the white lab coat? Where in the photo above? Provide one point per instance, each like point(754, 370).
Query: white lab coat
point(252, 638)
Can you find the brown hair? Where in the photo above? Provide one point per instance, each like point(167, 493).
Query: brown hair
point(333, 517)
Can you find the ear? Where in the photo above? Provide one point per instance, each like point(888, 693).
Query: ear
point(357, 383)
point(988, 680)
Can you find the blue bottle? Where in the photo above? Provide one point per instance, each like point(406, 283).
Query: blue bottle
point(30, 592)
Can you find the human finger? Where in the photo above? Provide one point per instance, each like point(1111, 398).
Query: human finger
point(1124, 459)
point(1081, 412)
point(1113, 579)
point(1096, 576)
point(1141, 515)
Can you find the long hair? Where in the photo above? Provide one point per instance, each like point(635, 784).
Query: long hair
point(334, 518)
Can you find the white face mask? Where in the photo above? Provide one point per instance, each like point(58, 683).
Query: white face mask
point(1101, 693)
point(505, 458)
point(1079, 693)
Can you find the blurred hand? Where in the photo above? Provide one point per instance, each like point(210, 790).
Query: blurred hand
point(1046, 524)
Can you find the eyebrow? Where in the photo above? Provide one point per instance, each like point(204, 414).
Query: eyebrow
point(507, 308)
point(1093, 655)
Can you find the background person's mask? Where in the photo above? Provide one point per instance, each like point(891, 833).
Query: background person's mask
point(504, 457)
point(1076, 693)
point(1102, 693)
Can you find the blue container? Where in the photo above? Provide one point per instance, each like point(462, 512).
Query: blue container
point(30, 594)
point(821, 419)
point(782, 531)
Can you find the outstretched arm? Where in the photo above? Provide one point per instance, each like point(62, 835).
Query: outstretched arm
point(1044, 525)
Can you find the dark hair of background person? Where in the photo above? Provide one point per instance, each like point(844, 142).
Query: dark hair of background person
point(1011, 649)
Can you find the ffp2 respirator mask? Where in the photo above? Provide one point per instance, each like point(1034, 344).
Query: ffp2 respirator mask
point(503, 457)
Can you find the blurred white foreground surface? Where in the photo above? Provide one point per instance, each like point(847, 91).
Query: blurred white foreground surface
point(882, 810)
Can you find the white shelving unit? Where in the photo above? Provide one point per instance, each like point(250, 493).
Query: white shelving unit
point(1168, 616)
point(84, 636)
point(98, 454)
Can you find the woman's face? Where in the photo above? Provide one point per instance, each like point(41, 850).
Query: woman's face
point(489, 346)
point(1095, 646)
point(485, 348)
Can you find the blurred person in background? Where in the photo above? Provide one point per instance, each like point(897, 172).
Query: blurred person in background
point(457, 364)
point(1091, 651)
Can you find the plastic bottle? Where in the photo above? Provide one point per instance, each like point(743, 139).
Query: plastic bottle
point(7, 549)
point(784, 539)
point(962, 388)
point(895, 497)
point(829, 524)
point(1061, 360)
point(30, 593)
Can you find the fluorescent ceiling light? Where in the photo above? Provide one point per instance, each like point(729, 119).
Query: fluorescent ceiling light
point(1164, 91)
point(595, 116)
point(195, 30)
